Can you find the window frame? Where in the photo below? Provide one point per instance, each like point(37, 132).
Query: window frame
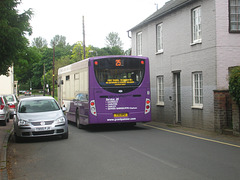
point(159, 38)
point(196, 17)
point(160, 90)
point(230, 16)
point(139, 43)
point(197, 88)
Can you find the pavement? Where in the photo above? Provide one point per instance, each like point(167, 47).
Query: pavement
point(5, 132)
point(231, 140)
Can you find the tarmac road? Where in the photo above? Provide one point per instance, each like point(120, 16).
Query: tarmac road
point(149, 151)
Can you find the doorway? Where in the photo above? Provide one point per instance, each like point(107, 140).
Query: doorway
point(177, 93)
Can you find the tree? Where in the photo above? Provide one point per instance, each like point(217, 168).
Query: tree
point(77, 52)
point(59, 41)
point(24, 69)
point(39, 42)
point(234, 84)
point(13, 27)
point(113, 40)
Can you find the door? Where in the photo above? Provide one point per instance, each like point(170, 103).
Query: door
point(177, 87)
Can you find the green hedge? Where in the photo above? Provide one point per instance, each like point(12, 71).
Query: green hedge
point(234, 84)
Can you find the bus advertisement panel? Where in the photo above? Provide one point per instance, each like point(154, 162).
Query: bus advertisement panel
point(118, 90)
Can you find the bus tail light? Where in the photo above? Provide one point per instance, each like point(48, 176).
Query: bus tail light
point(147, 106)
point(93, 107)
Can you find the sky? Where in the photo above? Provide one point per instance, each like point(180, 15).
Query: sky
point(64, 17)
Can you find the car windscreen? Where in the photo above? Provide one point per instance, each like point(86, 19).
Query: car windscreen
point(34, 106)
point(10, 98)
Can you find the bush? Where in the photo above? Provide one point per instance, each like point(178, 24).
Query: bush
point(234, 84)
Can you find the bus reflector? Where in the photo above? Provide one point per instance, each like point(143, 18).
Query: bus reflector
point(147, 106)
point(96, 63)
point(93, 107)
point(142, 62)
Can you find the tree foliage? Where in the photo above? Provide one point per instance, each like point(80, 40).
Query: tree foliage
point(39, 42)
point(58, 41)
point(26, 62)
point(113, 40)
point(31, 64)
point(13, 27)
point(77, 52)
point(234, 84)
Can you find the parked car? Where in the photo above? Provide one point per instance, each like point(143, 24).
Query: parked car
point(39, 116)
point(12, 103)
point(28, 93)
point(4, 111)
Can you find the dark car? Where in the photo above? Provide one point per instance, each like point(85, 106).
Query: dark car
point(28, 93)
point(79, 108)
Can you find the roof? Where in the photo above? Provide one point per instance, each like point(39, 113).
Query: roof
point(169, 7)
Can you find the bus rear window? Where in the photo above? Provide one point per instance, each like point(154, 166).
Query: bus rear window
point(120, 72)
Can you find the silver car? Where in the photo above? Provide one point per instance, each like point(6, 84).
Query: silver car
point(39, 116)
point(4, 111)
point(12, 104)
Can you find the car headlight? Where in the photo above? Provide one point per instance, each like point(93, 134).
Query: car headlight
point(22, 122)
point(60, 120)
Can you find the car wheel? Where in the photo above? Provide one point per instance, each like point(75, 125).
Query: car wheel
point(65, 135)
point(8, 118)
point(17, 139)
point(4, 123)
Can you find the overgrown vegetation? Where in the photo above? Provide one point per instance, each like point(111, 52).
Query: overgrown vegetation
point(234, 84)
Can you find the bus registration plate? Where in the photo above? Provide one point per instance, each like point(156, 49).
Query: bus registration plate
point(120, 115)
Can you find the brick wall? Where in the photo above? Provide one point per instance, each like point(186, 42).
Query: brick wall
point(220, 110)
point(236, 118)
point(226, 112)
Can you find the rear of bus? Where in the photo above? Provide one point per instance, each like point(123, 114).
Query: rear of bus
point(119, 90)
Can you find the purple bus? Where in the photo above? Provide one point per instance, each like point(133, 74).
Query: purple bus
point(108, 89)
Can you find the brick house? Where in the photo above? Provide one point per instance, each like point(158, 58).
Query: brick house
point(191, 45)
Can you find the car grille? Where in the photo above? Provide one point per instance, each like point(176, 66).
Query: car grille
point(43, 132)
point(39, 123)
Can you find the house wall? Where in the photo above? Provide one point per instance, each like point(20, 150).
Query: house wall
point(7, 83)
point(180, 56)
point(227, 45)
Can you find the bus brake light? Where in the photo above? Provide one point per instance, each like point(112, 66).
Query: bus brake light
point(93, 108)
point(147, 106)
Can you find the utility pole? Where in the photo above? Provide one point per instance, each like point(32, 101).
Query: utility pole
point(44, 79)
point(84, 51)
point(53, 66)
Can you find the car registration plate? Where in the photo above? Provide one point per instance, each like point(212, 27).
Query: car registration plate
point(120, 114)
point(43, 129)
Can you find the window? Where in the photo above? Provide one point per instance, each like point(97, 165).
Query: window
point(234, 16)
point(196, 25)
point(67, 78)
point(139, 44)
point(197, 90)
point(159, 38)
point(160, 90)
